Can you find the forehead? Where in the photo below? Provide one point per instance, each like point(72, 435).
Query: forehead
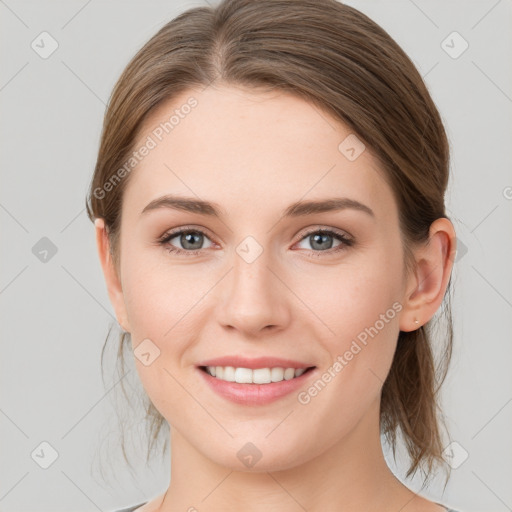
point(257, 147)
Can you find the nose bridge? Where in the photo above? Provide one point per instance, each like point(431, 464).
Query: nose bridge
point(251, 271)
point(254, 297)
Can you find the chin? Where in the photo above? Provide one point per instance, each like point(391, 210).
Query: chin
point(257, 457)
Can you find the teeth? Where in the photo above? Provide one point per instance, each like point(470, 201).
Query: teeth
point(277, 374)
point(243, 376)
point(257, 376)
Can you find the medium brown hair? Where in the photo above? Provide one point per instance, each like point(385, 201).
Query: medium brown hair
point(334, 56)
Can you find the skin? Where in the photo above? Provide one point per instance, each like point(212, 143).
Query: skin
point(254, 153)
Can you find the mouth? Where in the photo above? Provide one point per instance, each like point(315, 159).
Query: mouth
point(241, 375)
point(255, 386)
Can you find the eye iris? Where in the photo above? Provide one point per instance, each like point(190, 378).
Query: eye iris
point(187, 238)
point(318, 239)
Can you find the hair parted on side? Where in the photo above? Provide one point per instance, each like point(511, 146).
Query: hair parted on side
point(334, 56)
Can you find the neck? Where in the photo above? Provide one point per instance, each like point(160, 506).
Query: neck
point(351, 475)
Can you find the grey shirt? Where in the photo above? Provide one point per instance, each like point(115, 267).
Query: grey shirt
point(132, 509)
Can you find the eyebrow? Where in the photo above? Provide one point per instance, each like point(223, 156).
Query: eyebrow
point(297, 209)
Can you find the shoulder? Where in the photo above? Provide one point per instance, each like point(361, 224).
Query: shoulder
point(131, 509)
point(135, 507)
point(152, 505)
point(447, 509)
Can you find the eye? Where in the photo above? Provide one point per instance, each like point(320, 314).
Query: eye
point(321, 241)
point(191, 241)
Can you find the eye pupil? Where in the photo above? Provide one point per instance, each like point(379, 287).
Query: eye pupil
point(319, 239)
point(188, 237)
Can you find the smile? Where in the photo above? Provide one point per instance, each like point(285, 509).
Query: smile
point(254, 376)
point(257, 386)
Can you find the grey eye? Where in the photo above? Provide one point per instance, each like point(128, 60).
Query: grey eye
point(190, 240)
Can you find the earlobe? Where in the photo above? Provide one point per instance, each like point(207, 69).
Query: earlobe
point(112, 279)
point(427, 285)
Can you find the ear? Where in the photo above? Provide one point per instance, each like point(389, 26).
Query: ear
point(426, 286)
point(112, 279)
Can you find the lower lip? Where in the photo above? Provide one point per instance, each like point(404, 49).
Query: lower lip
point(255, 394)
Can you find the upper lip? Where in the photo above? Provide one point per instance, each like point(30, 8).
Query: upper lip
point(253, 363)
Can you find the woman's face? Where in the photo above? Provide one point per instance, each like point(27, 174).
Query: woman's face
point(258, 280)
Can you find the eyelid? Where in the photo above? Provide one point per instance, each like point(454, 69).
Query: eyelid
point(326, 229)
point(171, 233)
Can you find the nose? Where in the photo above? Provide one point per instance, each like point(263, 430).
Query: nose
point(253, 298)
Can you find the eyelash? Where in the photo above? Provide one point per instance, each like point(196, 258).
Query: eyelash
point(346, 242)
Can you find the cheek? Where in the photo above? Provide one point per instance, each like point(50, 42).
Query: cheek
point(159, 295)
point(165, 303)
point(361, 305)
point(162, 306)
point(351, 299)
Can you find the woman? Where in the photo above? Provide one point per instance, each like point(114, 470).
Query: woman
point(269, 209)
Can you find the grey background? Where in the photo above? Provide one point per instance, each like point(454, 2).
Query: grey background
point(55, 313)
